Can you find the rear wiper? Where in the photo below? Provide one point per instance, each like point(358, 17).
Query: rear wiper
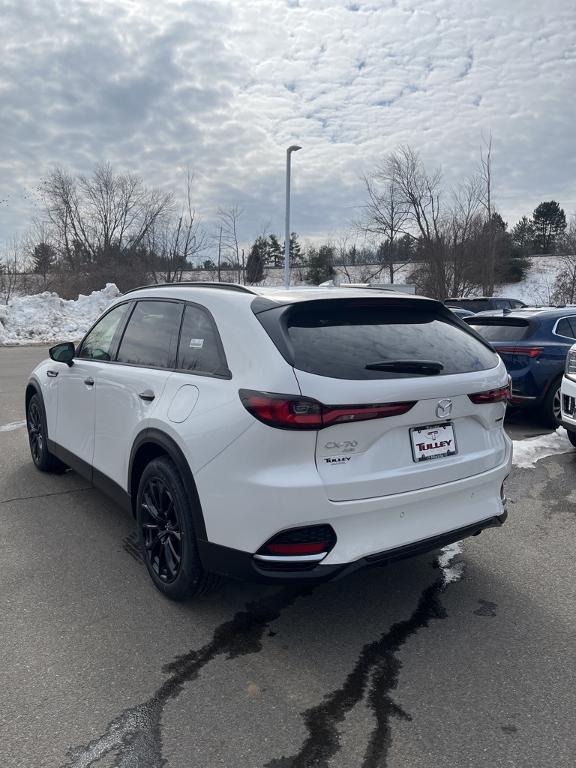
point(426, 367)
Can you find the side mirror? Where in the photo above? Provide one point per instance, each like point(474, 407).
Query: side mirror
point(63, 353)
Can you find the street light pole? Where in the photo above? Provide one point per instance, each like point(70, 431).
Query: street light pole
point(293, 148)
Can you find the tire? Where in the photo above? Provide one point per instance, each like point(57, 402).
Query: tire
point(572, 437)
point(550, 409)
point(166, 533)
point(38, 438)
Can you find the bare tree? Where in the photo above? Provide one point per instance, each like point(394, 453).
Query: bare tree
point(384, 216)
point(12, 266)
point(174, 242)
point(486, 199)
point(107, 212)
point(564, 290)
point(420, 193)
point(229, 219)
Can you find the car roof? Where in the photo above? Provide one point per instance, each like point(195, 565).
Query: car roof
point(277, 295)
point(527, 313)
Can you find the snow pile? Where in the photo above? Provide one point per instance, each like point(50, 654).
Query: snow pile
point(528, 452)
point(47, 318)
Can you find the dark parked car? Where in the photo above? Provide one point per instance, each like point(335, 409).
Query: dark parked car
point(483, 303)
point(533, 343)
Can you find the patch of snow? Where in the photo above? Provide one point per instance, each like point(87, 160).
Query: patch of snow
point(12, 426)
point(46, 318)
point(538, 285)
point(451, 572)
point(527, 452)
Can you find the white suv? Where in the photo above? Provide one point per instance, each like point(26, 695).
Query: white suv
point(279, 435)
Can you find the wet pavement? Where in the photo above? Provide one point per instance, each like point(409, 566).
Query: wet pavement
point(467, 659)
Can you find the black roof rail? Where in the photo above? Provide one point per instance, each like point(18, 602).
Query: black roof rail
point(197, 284)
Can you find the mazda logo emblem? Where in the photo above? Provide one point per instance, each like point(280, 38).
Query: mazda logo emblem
point(444, 409)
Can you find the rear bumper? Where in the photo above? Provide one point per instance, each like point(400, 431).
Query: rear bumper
point(568, 404)
point(241, 565)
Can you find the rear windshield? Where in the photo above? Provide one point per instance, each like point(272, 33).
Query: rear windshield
point(503, 331)
point(340, 342)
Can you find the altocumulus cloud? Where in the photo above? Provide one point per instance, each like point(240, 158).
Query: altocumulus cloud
point(224, 86)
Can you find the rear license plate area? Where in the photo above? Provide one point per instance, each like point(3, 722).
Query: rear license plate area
point(436, 441)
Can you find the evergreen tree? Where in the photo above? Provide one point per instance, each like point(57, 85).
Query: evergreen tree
point(43, 257)
point(256, 261)
point(296, 256)
point(320, 264)
point(275, 255)
point(549, 225)
point(523, 235)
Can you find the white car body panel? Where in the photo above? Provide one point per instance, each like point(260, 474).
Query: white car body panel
point(254, 480)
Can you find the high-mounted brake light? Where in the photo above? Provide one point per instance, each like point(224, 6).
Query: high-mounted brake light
point(293, 412)
point(532, 352)
point(500, 395)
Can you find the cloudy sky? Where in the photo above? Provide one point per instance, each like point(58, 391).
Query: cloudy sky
point(224, 86)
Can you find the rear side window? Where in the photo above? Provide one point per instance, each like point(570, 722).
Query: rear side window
point(341, 341)
point(512, 330)
point(566, 327)
point(151, 334)
point(200, 349)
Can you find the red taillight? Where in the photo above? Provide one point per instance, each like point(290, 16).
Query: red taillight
point(292, 412)
point(298, 549)
point(528, 351)
point(501, 395)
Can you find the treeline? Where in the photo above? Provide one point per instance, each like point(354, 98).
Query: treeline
point(111, 227)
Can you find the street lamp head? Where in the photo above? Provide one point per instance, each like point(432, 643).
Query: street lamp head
point(293, 148)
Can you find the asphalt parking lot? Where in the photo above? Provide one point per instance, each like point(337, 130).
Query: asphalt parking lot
point(410, 666)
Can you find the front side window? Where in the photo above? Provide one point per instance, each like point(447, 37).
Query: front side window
point(98, 344)
point(151, 334)
point(200, 349)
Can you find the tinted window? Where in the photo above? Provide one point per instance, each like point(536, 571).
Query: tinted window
point(566, 327)
point(511, 331)
point(151, 333)
point(200, 348)
point(501, 303)
point(475, 305)
point(98, 344)
point(341, 341)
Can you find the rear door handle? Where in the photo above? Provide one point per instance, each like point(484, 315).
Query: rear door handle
point(89, 382)
point(147, 395)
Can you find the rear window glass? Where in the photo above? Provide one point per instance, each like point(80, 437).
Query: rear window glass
point(503, 331)
point(340, 342)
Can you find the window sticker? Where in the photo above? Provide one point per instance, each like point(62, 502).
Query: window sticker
point(196, 343)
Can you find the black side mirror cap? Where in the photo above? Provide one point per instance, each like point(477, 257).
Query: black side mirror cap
point(63, 353)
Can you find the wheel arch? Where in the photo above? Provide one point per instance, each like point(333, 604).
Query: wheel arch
point(33, 388)
point(149, 445)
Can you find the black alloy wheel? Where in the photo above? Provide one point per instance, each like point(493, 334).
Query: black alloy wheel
point(166, 532)
point(161, 530)
point(35, 432)
point(551, 409)
point(38, 438)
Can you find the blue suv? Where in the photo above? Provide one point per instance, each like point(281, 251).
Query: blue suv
point(533, 343)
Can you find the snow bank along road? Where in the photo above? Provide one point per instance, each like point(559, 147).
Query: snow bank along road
point(466, 658)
